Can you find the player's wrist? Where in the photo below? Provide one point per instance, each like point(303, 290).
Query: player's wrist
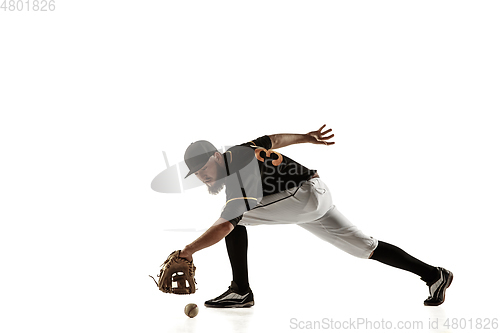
point(186, 253)
point(307, 138)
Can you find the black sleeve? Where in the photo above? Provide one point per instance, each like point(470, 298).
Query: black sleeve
point(263, 141)
point(236, 220)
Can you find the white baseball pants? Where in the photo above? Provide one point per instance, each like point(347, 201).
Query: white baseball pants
point(310, 206)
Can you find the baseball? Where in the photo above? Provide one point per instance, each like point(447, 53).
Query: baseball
point(191, 310)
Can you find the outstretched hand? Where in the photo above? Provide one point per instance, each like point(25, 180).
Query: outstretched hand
point(318, 137)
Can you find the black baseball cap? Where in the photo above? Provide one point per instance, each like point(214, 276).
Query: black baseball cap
point(197, 155)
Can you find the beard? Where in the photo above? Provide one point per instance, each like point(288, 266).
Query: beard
point(219, 183)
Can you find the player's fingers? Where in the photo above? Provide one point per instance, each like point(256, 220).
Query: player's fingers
point(329, 137)
point(321, 128)
point(327, 131)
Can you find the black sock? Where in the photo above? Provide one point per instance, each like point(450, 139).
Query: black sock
point(393, 256)
point(237, 246)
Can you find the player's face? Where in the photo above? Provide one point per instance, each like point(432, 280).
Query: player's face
point(210, 174)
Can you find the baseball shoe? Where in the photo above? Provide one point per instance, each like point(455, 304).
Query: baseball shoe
point(438, 288)
point(232, 298)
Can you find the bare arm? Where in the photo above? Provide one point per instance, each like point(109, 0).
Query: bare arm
point(315, 137)
point(220, 229)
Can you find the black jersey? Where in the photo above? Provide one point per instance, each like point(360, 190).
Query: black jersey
point(253, 171)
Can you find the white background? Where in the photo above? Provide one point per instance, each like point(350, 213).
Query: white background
point(93, 92)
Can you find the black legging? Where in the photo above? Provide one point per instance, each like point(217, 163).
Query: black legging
point(237, 247)
point(393, 256)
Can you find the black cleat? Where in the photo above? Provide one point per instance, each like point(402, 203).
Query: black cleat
point(232, 298)
point(438, 288)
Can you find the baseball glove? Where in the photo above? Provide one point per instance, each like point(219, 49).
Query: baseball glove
point(176, 275)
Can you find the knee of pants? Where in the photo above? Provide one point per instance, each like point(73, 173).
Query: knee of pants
point(360, 248)
point(350, 240)
point(370, 246)
point(335, 228)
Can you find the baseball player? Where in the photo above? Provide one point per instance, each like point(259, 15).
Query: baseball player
point(264, 186)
